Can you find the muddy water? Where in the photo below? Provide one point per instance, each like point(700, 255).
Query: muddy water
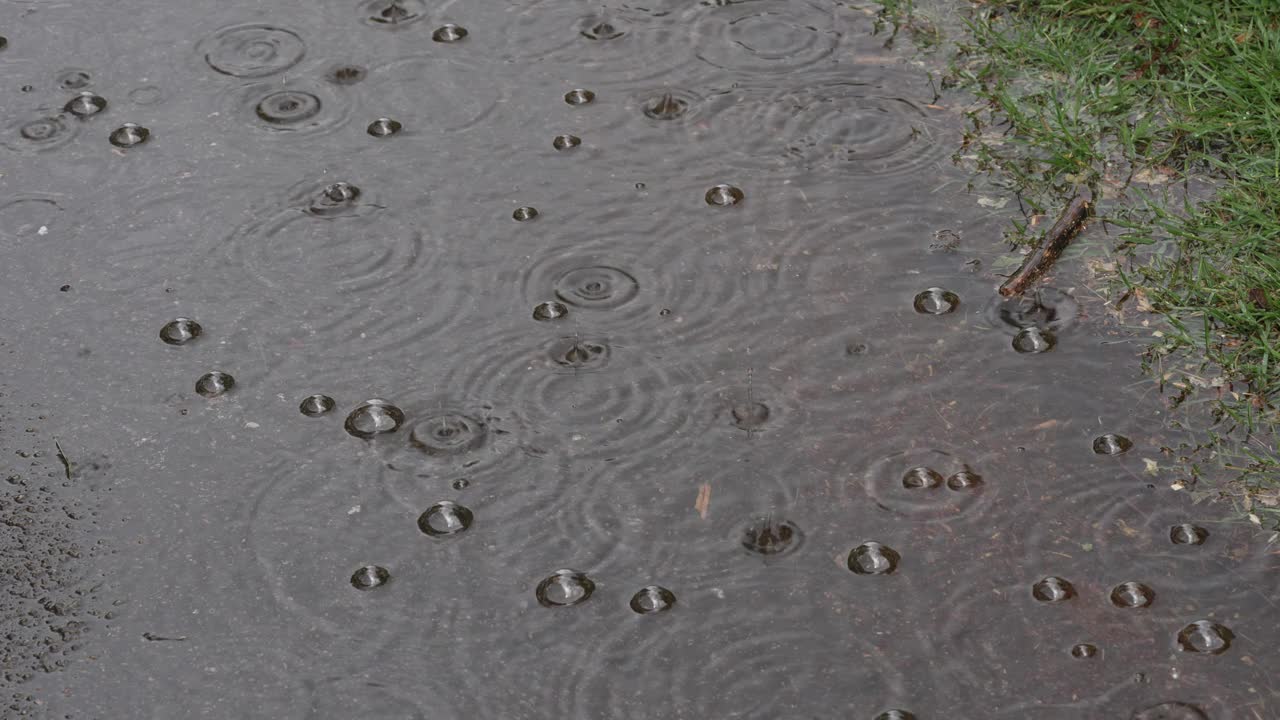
point(557, 359)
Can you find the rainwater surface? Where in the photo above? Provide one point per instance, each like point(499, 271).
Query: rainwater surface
point(553, 359)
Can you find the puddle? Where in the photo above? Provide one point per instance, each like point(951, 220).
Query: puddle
point(528, 360)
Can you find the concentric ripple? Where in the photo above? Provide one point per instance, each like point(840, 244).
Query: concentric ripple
point(40, 131)
point(625, 38)
point(252, 51)
point(596, 287)
point(628, 400)
point(911, 485)
point(833, 124)
point(756, 38)
point(431, 93)
point(300, 108)
point(330, 247)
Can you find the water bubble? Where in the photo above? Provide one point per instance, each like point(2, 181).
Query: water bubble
point(1132, 595)
point(374, 417)
point(599, 287)
point(564, 588)
point(1053, 590)
point(750, 415)
point(765, 535)
point(44, 131)
point(448, 434)
point(252, 51)
point(895, 715)
point(1169, 711)
point(213, 384)
point(566, 142)
point(1205, 636)
point(180, 331)
point(1188, 534)
point(393, 13)
point(579, 97)
point(345, 74)
point(460, 484)
point(872, 558)
point(964, 480)
point(74, 79)
point(370, 577)
point(1084, 650)
point(445, 518)
point(314, 405)
point(334, 198)
point(86, 104)
point(579, 354)
point(724, 196)
point(384, 127)
point(667, 106)
point(602, 30)
point(1034, 340)
point(128, 135)
point(524, 214)
point(921, 477)
point(653, 599)
point(550, 310)
point(449, 33)
point(1111, 444)
point(287, 107)
point(936, 301)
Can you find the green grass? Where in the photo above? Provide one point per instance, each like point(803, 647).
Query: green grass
point(1168, 110)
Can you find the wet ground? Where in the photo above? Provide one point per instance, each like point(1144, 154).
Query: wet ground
point(556, 359)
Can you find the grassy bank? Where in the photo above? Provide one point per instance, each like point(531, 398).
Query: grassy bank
point(1169, 111)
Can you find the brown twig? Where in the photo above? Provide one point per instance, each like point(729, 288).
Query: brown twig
point(1055, 241)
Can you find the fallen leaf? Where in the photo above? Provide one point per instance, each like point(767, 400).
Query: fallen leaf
point(703, 503)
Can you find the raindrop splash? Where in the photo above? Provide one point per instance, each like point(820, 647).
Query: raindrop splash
point(180, 331)
point(1083, 651)
point(448, 434)
point(579, 97)
point(550, 310)
point(564, 588)
point(764, 535)
point(566, 142)
point(1132, 595)
point(370, 577)
point(372, 418)
point(449, 33)
point(918, 478)
point(936, 301)
point(316, 405)
point(1053, 590)
point(724, 196)
point(872, 558)
point(213, 384)
point(653, 599)
point(1033, 340)
point(128, 135)
point(1188, 534)
point(1111, 444)
point(1205, 637)
point(384, 127)
point(86, 104)
point(445, 518)
point(964, 480)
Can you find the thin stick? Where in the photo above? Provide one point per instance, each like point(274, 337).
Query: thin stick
point(1055, 241)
